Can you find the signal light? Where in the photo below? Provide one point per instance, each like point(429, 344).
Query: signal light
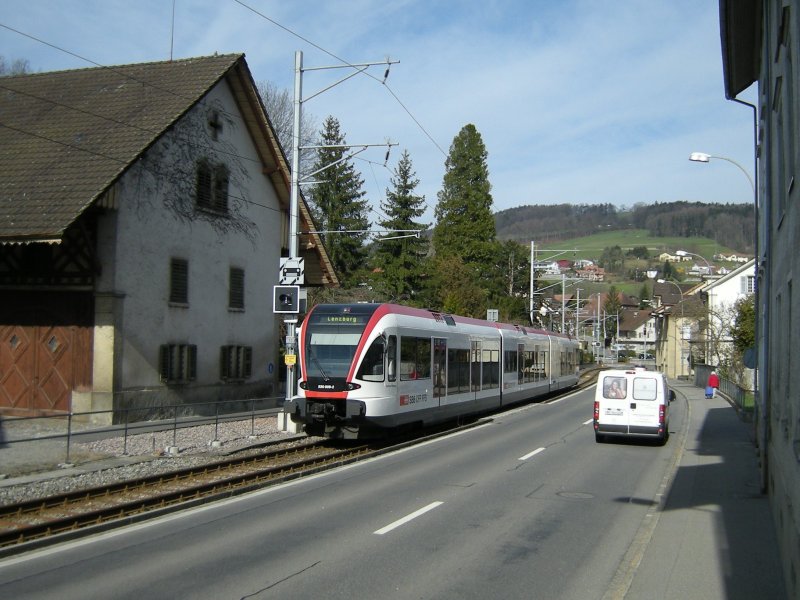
point(286, 299)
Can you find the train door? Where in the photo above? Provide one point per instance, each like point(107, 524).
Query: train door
point(520, 363)
point(391, 361)
point(439, 368)
point(475, 365)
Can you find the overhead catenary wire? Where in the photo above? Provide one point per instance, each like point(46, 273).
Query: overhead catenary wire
point(347, 63)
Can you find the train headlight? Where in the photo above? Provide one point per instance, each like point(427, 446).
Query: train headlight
point(353, 386)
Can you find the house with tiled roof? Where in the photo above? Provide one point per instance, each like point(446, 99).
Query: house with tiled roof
point(637, 330)
point(144, 215)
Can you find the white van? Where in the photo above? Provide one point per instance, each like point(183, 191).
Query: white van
point(632, 402)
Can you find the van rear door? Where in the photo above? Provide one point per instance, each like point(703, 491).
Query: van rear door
point(644, 405)
point(615, 406)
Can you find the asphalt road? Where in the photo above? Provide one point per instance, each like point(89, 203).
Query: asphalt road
point(528, 506)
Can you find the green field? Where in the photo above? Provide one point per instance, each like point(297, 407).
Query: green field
point(591, 247)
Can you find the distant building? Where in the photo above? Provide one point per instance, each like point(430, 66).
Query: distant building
point(667, 257)
point(637, 330)
point(722, 295)
point(677, 312)
point(591, 273)
point(731, 258)
point(564, 265)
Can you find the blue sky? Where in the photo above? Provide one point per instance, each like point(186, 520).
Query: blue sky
point(577, 101)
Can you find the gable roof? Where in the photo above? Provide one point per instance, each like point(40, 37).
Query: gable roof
point(67, 136)
point(633, 318)
point(746, 268)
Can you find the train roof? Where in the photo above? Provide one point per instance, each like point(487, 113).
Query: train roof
point(367, 310)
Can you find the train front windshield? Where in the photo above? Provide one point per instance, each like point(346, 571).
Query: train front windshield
point(331, 340)
point(330, 354)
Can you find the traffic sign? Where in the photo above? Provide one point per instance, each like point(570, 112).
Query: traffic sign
point(292, 271)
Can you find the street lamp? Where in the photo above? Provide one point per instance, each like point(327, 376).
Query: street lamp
point(683, 253)
point(704, 158)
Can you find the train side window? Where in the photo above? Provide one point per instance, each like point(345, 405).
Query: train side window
point(457, 370)
point(372, 366)
point(490, 362)
point(415, 358)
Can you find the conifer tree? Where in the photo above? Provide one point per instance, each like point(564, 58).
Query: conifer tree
point(339, 204)
point(465, 225)
point(612, 307)
point(399, 264)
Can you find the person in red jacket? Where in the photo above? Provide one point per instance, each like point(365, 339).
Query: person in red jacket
point(713, 383)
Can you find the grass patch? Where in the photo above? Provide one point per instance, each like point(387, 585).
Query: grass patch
point(591, 247)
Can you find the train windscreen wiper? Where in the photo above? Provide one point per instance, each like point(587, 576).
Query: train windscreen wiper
point(316, 362)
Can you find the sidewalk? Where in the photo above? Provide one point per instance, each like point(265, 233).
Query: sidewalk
point(713, 536)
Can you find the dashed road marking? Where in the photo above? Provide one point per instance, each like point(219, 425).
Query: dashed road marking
point(408, 518)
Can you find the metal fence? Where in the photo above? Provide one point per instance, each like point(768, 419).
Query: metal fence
point(51, 431)
point(741, 397)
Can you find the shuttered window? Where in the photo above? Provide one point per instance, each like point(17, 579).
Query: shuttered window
point(177, 363)
point(236, 289)
point(179, 281)
point(212, 187)
point(235, 363)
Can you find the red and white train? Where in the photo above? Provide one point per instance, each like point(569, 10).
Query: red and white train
point(369, 368)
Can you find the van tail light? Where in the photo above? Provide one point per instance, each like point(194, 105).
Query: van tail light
point(596, 411)
point(661, 414)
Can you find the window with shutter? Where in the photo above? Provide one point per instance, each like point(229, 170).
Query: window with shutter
point(179, 281)
point(236, 289)
point(235, 363)
point(212, 187)
point(204, 179)
point(177, 363)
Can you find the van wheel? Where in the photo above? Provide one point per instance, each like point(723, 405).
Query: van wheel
point(599, 438)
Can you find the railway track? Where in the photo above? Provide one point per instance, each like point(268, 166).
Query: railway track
point(59, 517)
point(44, 521)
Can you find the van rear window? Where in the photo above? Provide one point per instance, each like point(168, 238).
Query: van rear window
point(615, 387)
point(645, 388)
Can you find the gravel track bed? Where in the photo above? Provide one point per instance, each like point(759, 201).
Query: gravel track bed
point(147, 455)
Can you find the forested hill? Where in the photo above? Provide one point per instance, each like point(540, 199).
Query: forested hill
point(733, 223)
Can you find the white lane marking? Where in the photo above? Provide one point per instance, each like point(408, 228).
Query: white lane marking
point(407, 518)
point(588, 422)
point(534, 453)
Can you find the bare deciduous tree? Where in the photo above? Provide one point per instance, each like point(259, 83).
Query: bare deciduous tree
point(279, 104)
point(19, 66)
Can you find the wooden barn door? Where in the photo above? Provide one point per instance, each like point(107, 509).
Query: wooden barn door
point(45, 352)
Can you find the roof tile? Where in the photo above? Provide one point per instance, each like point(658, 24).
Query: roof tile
point(66, 136)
